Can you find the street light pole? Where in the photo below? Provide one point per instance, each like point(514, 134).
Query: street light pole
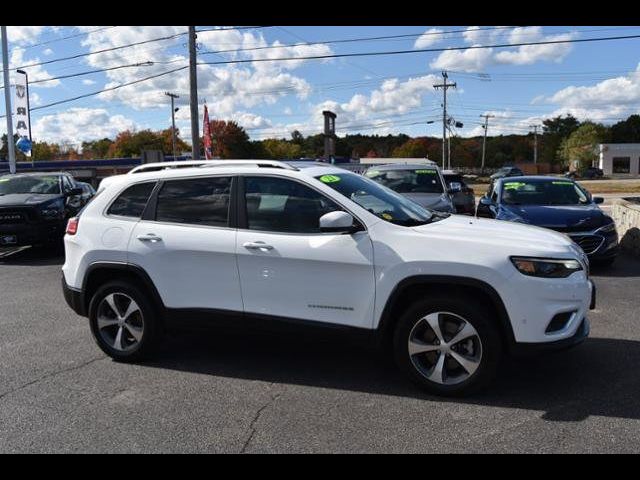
point(535, 143)
point(7, 101)
point(173, 123)
point(445, 85)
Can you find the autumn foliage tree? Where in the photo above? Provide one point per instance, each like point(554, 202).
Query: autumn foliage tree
point(229, 140)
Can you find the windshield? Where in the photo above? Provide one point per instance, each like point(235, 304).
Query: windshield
point(420, 180)
point(49, 184)
point(543, 192)
point(379, 200)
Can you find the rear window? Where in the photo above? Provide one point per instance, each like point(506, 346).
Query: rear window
point(420, 180)
point(132, 201)
point(196, 201)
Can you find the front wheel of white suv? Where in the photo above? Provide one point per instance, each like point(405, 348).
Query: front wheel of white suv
point(447, 345)
point(123, 322)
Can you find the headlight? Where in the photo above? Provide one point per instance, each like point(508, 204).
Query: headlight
point(611, 227)
point(546, 267)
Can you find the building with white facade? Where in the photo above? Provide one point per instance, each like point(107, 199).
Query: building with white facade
point(620, 158)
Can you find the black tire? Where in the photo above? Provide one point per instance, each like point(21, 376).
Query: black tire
point(151, 328)
point(472, 312)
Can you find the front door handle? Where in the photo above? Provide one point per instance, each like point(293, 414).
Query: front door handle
point(149, 237)
point(257, 246)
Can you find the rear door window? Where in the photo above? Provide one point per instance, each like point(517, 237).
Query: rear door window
point(132, 201)
point(195, 201)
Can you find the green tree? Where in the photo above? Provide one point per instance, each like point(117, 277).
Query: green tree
point(582, 145)
point(280, 149)
point(554, 131)
point(626, 131)
point(96, 148)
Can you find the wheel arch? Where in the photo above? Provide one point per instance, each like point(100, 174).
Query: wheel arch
point(99, 273)
point(413, 287)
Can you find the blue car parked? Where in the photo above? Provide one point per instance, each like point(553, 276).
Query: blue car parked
point(556, 203)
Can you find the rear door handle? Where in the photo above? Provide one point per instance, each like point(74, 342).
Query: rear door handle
point(149, 237)
point(257, 246)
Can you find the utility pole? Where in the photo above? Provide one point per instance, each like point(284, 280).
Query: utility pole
point(173, 122)
point(484, 142)
point(535, 143)
point(11, 148)
point(445, 85)
point(193, 95)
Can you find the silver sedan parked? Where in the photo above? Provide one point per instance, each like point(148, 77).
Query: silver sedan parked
point(421, 183)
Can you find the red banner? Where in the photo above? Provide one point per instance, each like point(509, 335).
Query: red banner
point(208, 154)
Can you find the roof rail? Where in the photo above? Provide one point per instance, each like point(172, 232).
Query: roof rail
point(258, 163)
point(156, 166)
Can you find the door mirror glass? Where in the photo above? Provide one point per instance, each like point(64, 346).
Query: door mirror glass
point(598, 200)
point(455, 187)
point(337, 222)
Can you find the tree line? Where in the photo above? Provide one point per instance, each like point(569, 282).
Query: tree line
point(564, 139)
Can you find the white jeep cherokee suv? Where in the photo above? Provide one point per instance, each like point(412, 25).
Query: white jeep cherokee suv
point(267, 243)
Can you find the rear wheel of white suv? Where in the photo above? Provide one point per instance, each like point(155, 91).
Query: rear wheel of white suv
point(123, 322)
point(447, 345)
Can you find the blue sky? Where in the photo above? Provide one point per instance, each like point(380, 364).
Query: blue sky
point(383, 94)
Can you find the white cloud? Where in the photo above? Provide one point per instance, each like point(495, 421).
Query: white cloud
point(88, 81)
point(17, 60)
point(392, 98)
point(23, 35)
point(76, 125)
point(529, 54)
point(428, 38)
point(226, 87)
point(47, 51)
point(476, 60)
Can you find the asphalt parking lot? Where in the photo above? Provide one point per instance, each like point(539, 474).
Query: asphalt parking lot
point(256, 393)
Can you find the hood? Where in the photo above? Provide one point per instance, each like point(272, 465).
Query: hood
point(26, 199)
point(433, 201)
point(497, 235)
point(564, 218)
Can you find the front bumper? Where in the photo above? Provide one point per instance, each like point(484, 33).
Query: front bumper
point(527, 349)
point(74, 298)
point(33, 233)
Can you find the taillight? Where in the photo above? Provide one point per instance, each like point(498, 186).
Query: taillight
point(72, 226)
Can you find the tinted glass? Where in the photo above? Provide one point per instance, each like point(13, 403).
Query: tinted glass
point(543, 192)
point(280, 205)
point(13, 184)
point(132, 201)
point(454, 178)
point(421, 180)
point(197, 201)
point(377, 199)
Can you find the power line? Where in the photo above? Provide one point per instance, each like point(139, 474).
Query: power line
point(128, 45)
point(347, 40)
point(62, 38)
point(116, 87)
point(423, 50)
point(89, 72)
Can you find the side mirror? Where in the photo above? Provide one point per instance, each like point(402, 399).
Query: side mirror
point(485, 201)
point(73, 192)
point(337, 222)
point(455, 187)
point(598, 200)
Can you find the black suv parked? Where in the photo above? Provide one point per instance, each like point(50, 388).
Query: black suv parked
point(35, 207)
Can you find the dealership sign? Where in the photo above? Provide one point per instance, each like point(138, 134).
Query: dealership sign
point(23, 122)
